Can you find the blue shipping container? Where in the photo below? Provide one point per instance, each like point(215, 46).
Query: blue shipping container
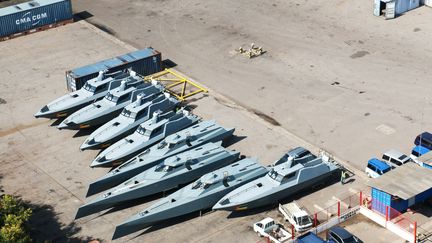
point(143, 62)
point(34, 14)
point(403, 6)
point(380, 200)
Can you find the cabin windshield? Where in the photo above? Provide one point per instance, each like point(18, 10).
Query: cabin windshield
point(197, 184)
point(89, 87)
point(162, 145)
point(141, 130)
point(171, 145)
point(304, 220)
point(274, 175)
point(111, 97)
point(128, 113)
point(164, 168)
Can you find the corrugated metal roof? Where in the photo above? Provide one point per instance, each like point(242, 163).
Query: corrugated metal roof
point(96, 67)
point(113, 62)
point(26, 6)
point(406, 181)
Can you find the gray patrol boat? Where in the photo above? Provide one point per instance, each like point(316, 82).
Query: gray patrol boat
point(191, 137)
point(282, 181)
point(147, 134)
point(93, 89)
point(139, 111)
point(110, 106)
point(172, 172)
point(199, 195)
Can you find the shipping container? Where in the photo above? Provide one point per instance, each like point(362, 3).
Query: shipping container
point(393, 8)
point(381, 199)
point(143, 62)
point(33, 15)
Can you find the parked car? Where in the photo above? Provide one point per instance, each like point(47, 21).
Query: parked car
point(375, 168)
point(395, 157)
point(418, 151)
point(424, 139)
point(310, 237)
point(340, 235)
point(296, 154)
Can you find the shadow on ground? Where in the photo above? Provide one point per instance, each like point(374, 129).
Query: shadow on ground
point(81, 16)
point(232, 140)
point(85, 132)
point(1, 187)
point(168, 63)
point(173, 221)
point(46, 227)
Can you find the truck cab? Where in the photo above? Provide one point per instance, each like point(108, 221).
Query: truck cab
point(298, 217)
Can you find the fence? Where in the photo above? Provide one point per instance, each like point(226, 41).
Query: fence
point(346, 208)
point(390, 214)
point(389, 218)
point(334, 214)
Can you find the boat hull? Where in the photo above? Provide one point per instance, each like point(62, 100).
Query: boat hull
point(140, 191)
point(95, 121)
point(180, 209)
point(62, 112)
point(276, 196)
point(107, 142)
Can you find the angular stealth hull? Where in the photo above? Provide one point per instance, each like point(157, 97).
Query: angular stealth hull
point(94, 89)
point(269, 189)
point(201, 133)
point(107, 108)
point(174, 171)
point(199, 195)
point(149, 133)
point(134, 114)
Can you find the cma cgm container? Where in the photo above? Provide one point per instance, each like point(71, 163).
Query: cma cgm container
point(143, 62)
point(32, 15)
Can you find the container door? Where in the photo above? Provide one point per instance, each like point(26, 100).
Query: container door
point(390, 10)
point(414, 4)
point(377, 9)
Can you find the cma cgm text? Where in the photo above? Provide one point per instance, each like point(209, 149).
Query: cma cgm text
point(27, 19)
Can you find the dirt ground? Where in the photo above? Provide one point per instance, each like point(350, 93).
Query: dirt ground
point(44, 166)
point(333, 74)
point(333, 77)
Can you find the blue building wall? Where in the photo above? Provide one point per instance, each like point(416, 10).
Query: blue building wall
point(423, 196)
point(381, 199)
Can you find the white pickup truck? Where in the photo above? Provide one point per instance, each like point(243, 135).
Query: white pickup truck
point(270, 229)
point(297, 217)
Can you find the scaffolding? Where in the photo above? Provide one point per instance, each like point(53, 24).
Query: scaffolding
point(175, 84)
